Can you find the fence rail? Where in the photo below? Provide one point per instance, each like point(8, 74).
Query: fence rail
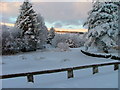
point(100, 55)
point(70, 73)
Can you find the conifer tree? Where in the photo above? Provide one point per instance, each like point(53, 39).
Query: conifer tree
point(27, 20)
point(31, 25)
point(102, 25)
point(51, 35)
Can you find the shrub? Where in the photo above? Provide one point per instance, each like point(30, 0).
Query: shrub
point(63, 46)
point(73, 40)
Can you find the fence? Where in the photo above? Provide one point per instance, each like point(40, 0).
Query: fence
point(101, 56)
point(70, 73)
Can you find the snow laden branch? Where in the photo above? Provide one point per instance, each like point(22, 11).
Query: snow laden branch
point(102, 26)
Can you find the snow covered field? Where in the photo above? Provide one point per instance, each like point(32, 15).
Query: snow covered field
point(54, 59)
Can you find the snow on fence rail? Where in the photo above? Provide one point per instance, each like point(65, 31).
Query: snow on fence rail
point(70, 73)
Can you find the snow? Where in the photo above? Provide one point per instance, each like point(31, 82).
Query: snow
point(82, 79)
point(22, 21)
point(102, 26)
point(54, 59)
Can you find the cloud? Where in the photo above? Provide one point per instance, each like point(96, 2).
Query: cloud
point(12, 0)
point(12, 19)
point(58, 25)
point(57, 14)
point(9, 11)
point(68, 24)
point(9, 8)
point(49, 0)
point(67, 12)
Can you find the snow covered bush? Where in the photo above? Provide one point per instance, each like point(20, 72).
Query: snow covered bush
point(15, 32)
point(58, 38)
point(42, 33)
point(5, 37)
point(102, 26)
point(63, 46)
point(73, 40)
point(17, 40)
point(0, 39)
point(11, 40)
point(8, 42)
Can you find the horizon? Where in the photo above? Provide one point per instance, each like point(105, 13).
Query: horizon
point(56, 29)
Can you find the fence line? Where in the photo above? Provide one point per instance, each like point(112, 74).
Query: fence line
point(70, 73)
point(100, 55)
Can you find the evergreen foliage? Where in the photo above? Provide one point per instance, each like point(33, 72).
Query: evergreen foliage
point(51, 35)
point(102, 25)
point(34, 31)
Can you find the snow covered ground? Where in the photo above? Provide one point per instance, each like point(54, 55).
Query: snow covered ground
point(54, 59)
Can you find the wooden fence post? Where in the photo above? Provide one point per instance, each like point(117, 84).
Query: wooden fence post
point(30, 78)
point(95, 69)
point(70, 73)
point(116, 67)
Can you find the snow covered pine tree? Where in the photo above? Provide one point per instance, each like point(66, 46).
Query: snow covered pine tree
point(102, 26)
point(51, 35)
point(29, 22)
